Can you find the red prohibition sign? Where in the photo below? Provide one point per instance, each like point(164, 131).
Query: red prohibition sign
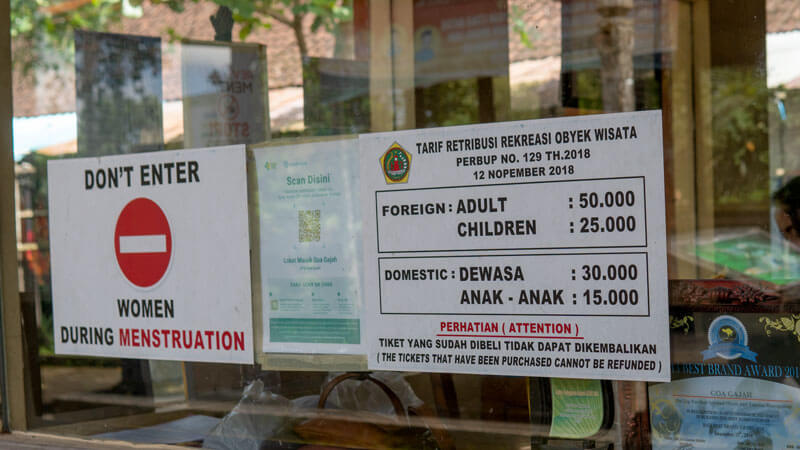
point(143, 242)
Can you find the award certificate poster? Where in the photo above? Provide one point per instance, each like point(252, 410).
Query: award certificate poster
point(724, 412)
point(531, 248)
point(310, 228)
point(735, 374)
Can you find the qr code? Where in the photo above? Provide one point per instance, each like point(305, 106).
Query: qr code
point(308, 225)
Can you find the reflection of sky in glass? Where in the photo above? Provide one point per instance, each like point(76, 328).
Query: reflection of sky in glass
point(151, 81)
point(783, 52)
point(203, 59)
point(32, 133)
point(35, 133)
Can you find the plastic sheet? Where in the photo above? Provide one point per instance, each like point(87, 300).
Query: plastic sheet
point(245, 428)
point(253, 424)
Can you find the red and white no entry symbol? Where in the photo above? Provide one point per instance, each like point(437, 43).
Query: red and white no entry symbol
point(143, 242)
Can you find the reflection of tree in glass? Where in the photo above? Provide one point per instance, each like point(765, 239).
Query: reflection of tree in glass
point(252, 14)
point(38, 26)
point(447, 103)
point(740, 129)
point(336, 96)
point(118, 93)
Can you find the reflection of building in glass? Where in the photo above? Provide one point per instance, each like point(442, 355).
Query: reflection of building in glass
point(33, 260)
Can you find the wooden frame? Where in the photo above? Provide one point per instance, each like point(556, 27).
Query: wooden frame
point(391, 76)
point(687, 120)
point(13, 377)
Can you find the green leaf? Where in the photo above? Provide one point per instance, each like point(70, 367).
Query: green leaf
point(316, 24)
point(245, 31)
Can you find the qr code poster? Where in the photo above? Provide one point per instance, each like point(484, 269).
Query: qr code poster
point(311, 259)
point(308, 226)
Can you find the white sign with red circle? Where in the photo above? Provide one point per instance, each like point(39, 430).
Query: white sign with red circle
point(143, 242)
point(150, 256)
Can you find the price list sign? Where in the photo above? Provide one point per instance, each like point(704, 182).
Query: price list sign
point(533, 248)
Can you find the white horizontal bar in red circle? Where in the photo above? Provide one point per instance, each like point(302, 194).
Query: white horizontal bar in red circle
point(148, 243)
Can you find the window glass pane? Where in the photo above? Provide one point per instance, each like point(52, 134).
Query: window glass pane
point(108, 78)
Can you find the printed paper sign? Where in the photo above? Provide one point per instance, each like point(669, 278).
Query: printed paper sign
point(532, 248)
point(150, 256)
point(577, 408)
point(224, 93)
point(310, 232)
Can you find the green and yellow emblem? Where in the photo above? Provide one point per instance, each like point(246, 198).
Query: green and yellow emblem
point(396, 164)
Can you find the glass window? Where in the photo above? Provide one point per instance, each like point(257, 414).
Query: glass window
point(105, 78)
